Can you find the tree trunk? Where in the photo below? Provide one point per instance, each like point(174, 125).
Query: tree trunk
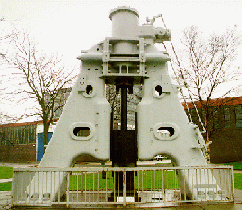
point(206, 120)
point(46, 129)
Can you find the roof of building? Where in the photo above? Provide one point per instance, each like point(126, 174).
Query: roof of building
point(23, 124)
point(229, 101)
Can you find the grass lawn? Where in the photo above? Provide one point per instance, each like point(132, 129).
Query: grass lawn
point(236, 165)
point(238, 181)
point(6, 173)
point(147, 179)
point(6, 186)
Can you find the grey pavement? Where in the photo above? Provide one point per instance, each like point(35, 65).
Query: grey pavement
point(238, 196)
point(5, 199)
point(5, 180)
point(19, 165)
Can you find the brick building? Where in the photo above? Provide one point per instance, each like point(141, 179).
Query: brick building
point(18, 142)
point(225, 127)
point(22, 142)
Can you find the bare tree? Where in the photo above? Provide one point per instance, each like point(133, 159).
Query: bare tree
point(40, 77)
point(205, 64)
point(7, 33)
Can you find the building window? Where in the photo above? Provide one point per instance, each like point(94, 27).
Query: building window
point(215, 117)
point(227, 117)
point(194, 116)
point(202, 115)
point(238, 115)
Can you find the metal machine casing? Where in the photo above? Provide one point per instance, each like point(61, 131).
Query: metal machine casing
point(128, 58)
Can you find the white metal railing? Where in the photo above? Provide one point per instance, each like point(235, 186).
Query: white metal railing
point(95, 186)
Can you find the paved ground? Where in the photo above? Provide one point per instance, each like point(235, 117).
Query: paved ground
point(6, 180)
point(5, 199)
point(19, 165)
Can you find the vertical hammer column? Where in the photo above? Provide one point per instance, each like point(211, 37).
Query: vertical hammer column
point(124, 146)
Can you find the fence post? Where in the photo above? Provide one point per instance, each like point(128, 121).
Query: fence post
point(67, 190)
point(124, 188)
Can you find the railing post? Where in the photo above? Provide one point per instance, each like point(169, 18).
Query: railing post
point(124, 188)
point(67, 190)
point(231, 182)
point(81, 181)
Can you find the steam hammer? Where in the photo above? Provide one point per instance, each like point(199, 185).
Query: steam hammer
point(127, 58)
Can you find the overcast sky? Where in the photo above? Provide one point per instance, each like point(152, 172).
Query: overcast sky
point(69, 26)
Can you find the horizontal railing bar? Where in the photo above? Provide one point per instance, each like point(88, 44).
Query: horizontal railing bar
point(92, 191)
point(91, 202)
point(34, 204)
point(100, 169)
